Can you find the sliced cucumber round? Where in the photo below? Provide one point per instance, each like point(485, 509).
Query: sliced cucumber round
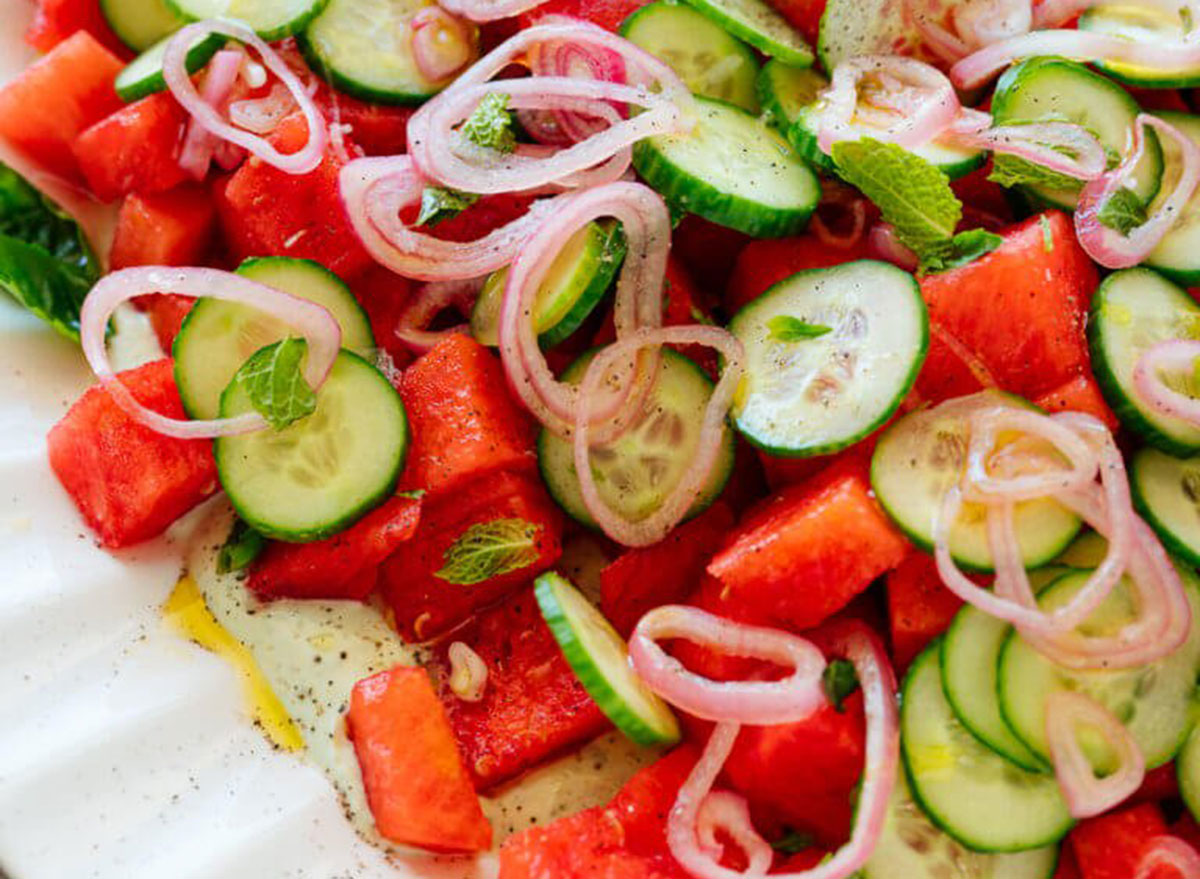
point(140, 23)
point(321, 474)
point(804, 396)
point(783, 91)
point(364, 47)
point(577, 281)
point(144, 74)
point(708, 60)
point(635, 474)
point(217, 337)
point(953, 161)
point(1156, 702)
point(600, 659)
point(732, 169)
point(1054, 89)
point(1132, 311)
point(850, 28)
point(911, 847)
point(975, 795)
point(1086, 551)
point(920, 457)
point(1187, 769)
point(1148, 23)
point(970, 652)
point(1166, 490)
point(1178, 253)
point(759, 24)
point(271, 19)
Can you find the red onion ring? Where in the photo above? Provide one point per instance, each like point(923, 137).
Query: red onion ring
point(315, 324)
point(883, 241)
point(263, 115)
point(374, 192)
point(675, 506)
point(975, 24)
point(196, 154)
point(1108, 246)
point(180, 83)
point(858, 213)
point(1173, 355)
point(441, 44)
point(577, 60)
point(761, 703)
point(430, 301)
point(1055, 13)
point(489, 10)
point(730, 812)
point(1168, 851)
point(1042, 144)
point(1087, 795)
point(986, 427)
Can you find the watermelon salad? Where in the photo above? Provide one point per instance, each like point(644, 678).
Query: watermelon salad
point(858, 339)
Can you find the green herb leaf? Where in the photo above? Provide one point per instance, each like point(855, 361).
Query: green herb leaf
point(27, 215)
point(793, 842)
point(1011, 171)
point(913, 195)
point(965, 247)
point(414, 494)
point(1047, 234)
point(491, 125)
point(274, 381)
point(839, 680)
point(439, 203)
point(785, 328)
point(242, 547)
point(489, 549)
point(1123, 211)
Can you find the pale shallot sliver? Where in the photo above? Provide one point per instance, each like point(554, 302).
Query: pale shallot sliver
point(1087, 795)
point(1174, 356)
point(468, 672)
point(263, 115)
point(1171, 852)
point(441, 44)
point(199, 144)
point(180, 84)
point(430, 301)
point(489, 10)
point(761, 703)
point(318, 327)
point(729, 813)
point(1043, 143)
point(884, 245)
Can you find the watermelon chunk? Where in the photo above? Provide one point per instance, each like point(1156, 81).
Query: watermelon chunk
point(44, 109)
point(607, 13)
point(56, 20)
point(136, 149)
point(764, 263)
point(169, 229)
point(383, 295)
point(463, 421)
point(417, 787)
point(344, 566)
point(804, 16)
point(533, 706)
point(167, 312)
point(1080, 394)
point(1110, 846)
point(920, 607)
point(129, 482)
point(426, 605)
point(805, 553)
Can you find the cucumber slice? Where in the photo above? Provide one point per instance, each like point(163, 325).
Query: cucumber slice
point(709, 61)
point(271, 19)
point(760, 25)
point(920, 457)
point(364, 47)
point(600, 659)
point(732, 169)
point(1167, 493)
point(1178, 254)
point(636, 472)
point(1087, 551)
point(1042, 89)
point(1187, 769)
point(817, 395)
point(144, 74)
point(975, 795)
point(970, 651)
point(868, 27)
point(323, 473)
point(140, 23)
point(1156, 702)
point(577, 281)
point(953, 161)
point(910, 847)
point(217, 337)
point(1133, 310)
point(1147, 24)
point(783, 91)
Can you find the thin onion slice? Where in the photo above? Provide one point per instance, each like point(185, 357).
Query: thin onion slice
point(674, 507)
point(887, 246)
point(1087, 795)
point(263, 115)
point(1108, 246)
point(375, 191)
point(489, 10)
point(1171, 852)
point(571, 59)
point(1173, 356)
point(441, 44)
point(318, 327)
point(1062, 147)
point(761, 703)
point(727, 812)
point(196, 153)
point(430, 301)
point(180, 83)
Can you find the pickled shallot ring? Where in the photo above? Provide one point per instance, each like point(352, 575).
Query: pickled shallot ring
point(196, 151)
point(489, 10)
point(1168, 851)
point(1062, 147)
point(729, 813)
point(431, 300)
point(1087, 795)
point(987, 425)
point(1174, 356)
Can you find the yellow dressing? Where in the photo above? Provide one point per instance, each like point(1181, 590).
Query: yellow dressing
point(186, 612)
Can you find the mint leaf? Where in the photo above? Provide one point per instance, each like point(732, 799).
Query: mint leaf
point(839, 680)
point(275, 383)
point(965, 247)
point(1123, 211)
point(242, 547)
point(489, 549)
point(785, 328)
point(438, 204)
point(413, 495)
point(913, 195)
point(1011, 171)
point(491, 125)
point(793, 842)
